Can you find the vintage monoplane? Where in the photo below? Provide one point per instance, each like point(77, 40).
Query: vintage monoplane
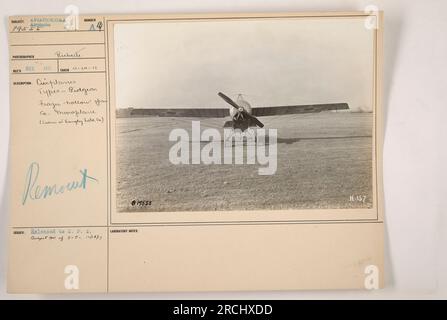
point(242, 114)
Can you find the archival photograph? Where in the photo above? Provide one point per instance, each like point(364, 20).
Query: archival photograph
point(244, 114)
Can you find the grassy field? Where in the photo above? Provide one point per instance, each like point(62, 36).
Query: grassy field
point(323, 159)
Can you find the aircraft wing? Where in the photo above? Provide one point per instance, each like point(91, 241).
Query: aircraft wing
point(283, 110)
point(223, 112)
point(196, 112)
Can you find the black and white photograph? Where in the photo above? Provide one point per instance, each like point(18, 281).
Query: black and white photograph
point(224, 156)
point(244, 114)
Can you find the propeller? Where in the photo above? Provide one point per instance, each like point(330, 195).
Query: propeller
point(241, 110)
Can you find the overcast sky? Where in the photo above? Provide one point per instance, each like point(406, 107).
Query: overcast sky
point(273, 62)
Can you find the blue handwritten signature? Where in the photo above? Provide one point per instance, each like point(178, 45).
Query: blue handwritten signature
point(35, 191)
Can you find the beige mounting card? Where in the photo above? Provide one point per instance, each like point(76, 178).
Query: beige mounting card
point(211, 152)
